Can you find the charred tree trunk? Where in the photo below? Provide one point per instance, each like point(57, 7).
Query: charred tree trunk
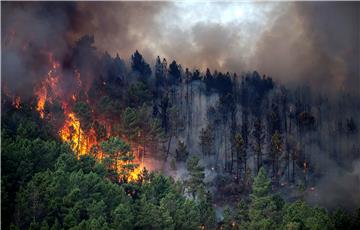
point(293, 170)
point(168, 147)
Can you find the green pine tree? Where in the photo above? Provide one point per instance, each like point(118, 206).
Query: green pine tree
point(197, 175)
point(262, 207)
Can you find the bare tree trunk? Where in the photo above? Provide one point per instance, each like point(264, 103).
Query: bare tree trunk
point(168, 148)
point(293, 170)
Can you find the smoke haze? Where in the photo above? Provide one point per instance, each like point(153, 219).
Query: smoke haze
point(292, 42)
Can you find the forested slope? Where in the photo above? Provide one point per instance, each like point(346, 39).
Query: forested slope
point(102, 143)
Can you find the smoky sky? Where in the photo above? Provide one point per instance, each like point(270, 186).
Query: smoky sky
point(294, 42)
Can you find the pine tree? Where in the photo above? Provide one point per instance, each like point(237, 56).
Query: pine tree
point(121, 155)
point(262, 207)
point(159, 72)
point(206, 210)
point(130, 126)
point(258, 137)
point(275, 152)
point(206, 141)
point(240, 154)
point(229, 221)
point(197, 175)
point(181, 152)
point(139, 65)
point(242, 214)
point(174, 73)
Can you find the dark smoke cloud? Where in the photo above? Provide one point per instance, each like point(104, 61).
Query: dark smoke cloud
point(29, 31)
point(316, 43)
point(293, 42)
point(121, 27)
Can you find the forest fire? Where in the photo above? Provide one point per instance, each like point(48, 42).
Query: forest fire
point(72, 133)
point(41, 94)
point(81, 141)
point(50, 83)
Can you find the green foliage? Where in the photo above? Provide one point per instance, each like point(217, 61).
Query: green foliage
point(262, 210)
point(108, 108)
point(228, 221)
point(83, 112)
point(123, 217)
point(75, 198)
point(119, 151)
point(44, 186)
point(153, 217)
point(138, 128)
point(130, 123)
point(137, 95)
point(195, 182)
point(299, 215)
point(206, 210)
point(162, 206)
point(22, 156)
point(242, 214)
point(275, 152)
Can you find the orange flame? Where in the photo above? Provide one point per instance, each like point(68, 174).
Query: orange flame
point(72, 133)
point(50, 82)
point(81, 142)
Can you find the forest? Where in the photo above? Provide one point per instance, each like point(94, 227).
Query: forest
point(180, 115)
point(102, 143)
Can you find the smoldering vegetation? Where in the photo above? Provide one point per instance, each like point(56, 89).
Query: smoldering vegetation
point(300, 121)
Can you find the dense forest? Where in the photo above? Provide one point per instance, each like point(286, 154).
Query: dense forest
point(98, 142)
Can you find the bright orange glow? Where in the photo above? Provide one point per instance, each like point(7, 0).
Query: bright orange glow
point(81, 141)
point(135, 175)
point(50, 82)
point(41, 94)
point(72, 133)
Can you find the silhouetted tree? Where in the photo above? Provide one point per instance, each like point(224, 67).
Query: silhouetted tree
point(139, 65)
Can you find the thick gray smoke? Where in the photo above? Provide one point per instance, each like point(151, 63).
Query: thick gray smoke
point(295, 43)
point(30, 31)
point(338, 188)
point(316, 43)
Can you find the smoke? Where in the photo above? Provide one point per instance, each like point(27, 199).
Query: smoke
point(338, 188)
point(293, 42)
point(315, 43)
point(30, 31)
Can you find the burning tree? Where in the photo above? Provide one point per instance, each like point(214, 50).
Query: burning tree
point(120, 157)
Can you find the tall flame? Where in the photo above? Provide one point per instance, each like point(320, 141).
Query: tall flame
point(72, 133)
point(81, 141)
point(41, 94)
point(50, 82)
